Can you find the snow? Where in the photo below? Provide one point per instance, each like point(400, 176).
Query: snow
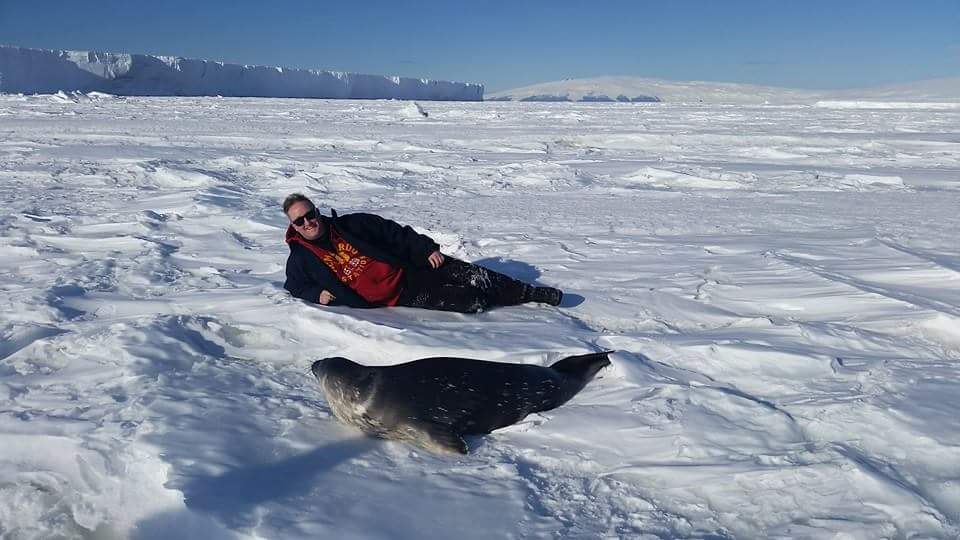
point(781, 285)
point(935, 93)
point(37, 71)
point(854, 104)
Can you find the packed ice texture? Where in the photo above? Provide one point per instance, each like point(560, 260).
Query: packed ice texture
point(781, 285)
point(36, 71)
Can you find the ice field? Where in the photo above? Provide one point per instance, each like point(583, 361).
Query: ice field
point(781, 285)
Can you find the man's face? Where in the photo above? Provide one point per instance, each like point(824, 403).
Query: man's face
point(310, 226)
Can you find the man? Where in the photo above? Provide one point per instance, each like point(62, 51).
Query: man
point(365, 261)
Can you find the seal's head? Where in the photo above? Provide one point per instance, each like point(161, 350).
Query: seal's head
point(348, 387)
point(318, 368)
point(334, 366)
point(342, 377)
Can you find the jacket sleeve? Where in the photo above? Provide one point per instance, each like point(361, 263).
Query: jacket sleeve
point(400, 240)
point(305, 286)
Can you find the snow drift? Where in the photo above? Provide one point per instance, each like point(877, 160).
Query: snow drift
point(35, 71)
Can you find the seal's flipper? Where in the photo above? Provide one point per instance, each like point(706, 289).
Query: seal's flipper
point(584, 366)
point(436, 437)
point(575, 372)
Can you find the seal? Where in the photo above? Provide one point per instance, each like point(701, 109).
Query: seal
point(434, 402)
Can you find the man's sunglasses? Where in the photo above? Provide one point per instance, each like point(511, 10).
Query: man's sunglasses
point(311, 215)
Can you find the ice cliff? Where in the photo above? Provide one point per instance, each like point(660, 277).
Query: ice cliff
point(36, 71)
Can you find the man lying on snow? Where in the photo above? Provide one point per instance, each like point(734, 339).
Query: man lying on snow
point(365, 261)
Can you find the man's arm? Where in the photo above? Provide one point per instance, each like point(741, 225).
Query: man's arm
point(345, 296)
point(302, 285)
point(401, 240)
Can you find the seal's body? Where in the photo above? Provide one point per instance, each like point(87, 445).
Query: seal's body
point(434, 402)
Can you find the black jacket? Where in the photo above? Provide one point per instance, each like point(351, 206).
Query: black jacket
point(384, 240)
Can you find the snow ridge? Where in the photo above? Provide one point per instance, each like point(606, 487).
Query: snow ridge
point(36, 71)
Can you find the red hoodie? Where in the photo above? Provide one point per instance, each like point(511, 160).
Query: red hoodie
point(375, 281)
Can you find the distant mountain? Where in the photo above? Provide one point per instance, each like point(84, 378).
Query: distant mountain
point(931, 90)
point(633, 89)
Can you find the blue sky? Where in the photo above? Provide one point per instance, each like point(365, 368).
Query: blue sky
point(506, 44)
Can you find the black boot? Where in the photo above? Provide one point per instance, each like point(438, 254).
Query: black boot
point(547, 295)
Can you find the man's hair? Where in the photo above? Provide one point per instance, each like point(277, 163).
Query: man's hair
point(294, 198)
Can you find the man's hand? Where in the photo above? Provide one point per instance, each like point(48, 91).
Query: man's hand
point(435, 259)
point(326, 297)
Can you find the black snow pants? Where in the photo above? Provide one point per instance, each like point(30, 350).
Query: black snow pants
point(462, 287)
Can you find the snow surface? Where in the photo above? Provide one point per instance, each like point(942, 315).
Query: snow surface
point(641, 89)
point(781, 285)
point(37, 71)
